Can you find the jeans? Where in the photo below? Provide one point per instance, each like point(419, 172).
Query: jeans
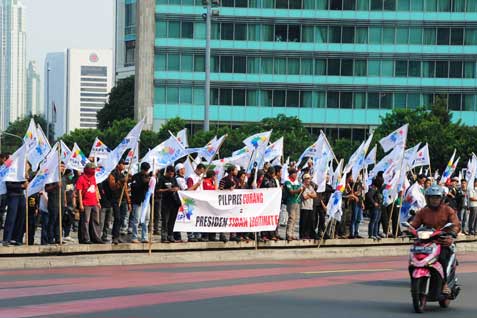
point(319, 219)
point(120, 213)
point(462, 215)
point(293, 215)
point(106, 217)
point(356, 217)
point(15, 220)
point(472, 220)
point(373, 227)
point(169, 215)
point(307, 231)
point(135, 219)
point(53, 222)
point(45, 225)
point(3, 208)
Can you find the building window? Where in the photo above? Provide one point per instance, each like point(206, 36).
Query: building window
point(94, 71)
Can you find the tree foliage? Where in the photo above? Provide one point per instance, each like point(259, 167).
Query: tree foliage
point(120, 104)
point(19, 128)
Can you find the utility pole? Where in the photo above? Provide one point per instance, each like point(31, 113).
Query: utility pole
point(208, 4)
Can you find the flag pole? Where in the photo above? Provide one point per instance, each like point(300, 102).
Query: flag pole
point(399, 216)
point(26, 221)
point(151, 223)
point(60, 190)
point(126, 181)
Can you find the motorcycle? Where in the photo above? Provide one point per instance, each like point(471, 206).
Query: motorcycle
point(427, 273)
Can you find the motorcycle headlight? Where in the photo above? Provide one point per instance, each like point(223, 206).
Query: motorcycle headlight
point(424, 235)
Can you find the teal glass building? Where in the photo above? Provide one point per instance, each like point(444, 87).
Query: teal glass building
point(336, 64)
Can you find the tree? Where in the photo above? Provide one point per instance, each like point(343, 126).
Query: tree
point(18, 128)
point(120, 104)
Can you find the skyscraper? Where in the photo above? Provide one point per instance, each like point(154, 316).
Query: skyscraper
point(12, 62)
point(34, 106)
point(77, 84)
point(125, 38)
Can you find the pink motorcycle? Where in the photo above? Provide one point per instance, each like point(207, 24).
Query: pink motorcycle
point(427, 273)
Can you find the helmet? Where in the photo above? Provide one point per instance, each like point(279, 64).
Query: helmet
point(434, 190)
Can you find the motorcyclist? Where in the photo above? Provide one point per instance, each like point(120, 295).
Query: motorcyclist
point(435, 215)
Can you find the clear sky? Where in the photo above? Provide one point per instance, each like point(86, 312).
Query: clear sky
point(54, 25)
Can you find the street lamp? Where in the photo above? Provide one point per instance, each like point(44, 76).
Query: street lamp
point(48, 100)
point(8, 134)
point(208, 4)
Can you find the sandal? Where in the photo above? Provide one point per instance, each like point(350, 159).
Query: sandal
point(446, 290)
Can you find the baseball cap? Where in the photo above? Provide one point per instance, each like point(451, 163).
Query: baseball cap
point(179, 166)
point(306, 176)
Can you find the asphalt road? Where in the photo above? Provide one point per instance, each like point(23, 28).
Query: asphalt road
point(350, 288)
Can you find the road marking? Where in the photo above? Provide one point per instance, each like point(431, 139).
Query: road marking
point(350, 271)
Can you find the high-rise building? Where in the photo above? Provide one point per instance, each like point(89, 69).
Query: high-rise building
point(125, 40)
point(77, 84)
point(338, 65)
point(34, 106)
point(55, 91)
point(12, 62)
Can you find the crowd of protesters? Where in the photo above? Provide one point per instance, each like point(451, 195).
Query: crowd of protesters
point(110, 212)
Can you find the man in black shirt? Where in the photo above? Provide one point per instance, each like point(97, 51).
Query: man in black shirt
point(139, 187)
point(54, 198)
point(168, 188)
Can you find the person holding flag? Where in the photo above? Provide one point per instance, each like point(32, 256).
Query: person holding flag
point(374, 202)
point(294, 189)
point(139, 187)
point(117, 183)
point(88, 198)
point(55, 191)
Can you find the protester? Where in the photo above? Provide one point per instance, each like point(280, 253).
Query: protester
point(374, 201)
point(55, 199)
point(15, 220)
point(294, 190)
point(88, 198)
point(44, 215)
point(357, 206)
point(69, 203)
point(3, 196)
point(118, 187)
point(168, 187)
point(210, 184)
point(473, 209)
point(306, 229)
point(194, 183)
point(269, 181)
point(463, 204)
point(106, 209)
point(139, 188)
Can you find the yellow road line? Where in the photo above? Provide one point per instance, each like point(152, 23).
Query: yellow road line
point(350, 270)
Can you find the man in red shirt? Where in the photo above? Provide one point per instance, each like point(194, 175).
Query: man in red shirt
point(88, 196)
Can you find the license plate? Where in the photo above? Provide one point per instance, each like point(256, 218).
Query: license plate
point(421, 249)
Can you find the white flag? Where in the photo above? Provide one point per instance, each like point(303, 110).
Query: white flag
point(13, 169)
point(99, 149)
point(182, 137)
point(274, 150)
point(397, 137)
point(371, 157)
point(410, 156)
point(65, 152)
point(165, 153)
point(422, 157)
point(471, 171)
point(77, 160)
point(37, 154)
point(30, 138)
point(319, 173)
point(48, 173)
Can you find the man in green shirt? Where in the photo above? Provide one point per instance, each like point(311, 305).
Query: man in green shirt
point(294, 190)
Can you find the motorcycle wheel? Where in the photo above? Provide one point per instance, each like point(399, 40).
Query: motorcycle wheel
point(444, 303)
point(419, 299)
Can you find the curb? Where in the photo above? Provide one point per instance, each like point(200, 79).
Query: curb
point(271, 254)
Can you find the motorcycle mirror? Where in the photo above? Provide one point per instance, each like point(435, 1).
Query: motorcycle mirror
point(447, 225)
point(405, 224)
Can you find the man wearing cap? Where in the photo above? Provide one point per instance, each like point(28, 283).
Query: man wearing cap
point(117, 183)
point(170, 204)
point(452, 194)
point(294, 190)
point(88, 198)
point(194, 182)
point(306, 229)
point(182, 183)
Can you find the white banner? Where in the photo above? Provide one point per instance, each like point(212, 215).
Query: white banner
point(229, 211)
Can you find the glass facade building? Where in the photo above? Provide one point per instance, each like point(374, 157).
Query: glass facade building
point(333, 63)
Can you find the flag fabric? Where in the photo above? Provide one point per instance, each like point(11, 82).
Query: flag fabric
point(391, 159)
point(422, 157)
point(371, 157)
point(243, 150)
point(390, 192)
point(165, 153)
point(334, 208)
point(48, 172)
point(146, 204)
point(356, 161)
point(321, 147)
point(413, 199)
point(77, 160)
point(132, 159)
point(111, 161)
point(40, 149)
point(319, 173)
point(30, 138)
point(410, 156)
point(209, 151)
point(336, 174)
point(182, 137)
point(65, 152)
point(448, 171)
point(258, 140)
point(13, 169)
point(397, 137)
point(99, 150)
point(189, 168)
point(471, 171)
point(274, 150)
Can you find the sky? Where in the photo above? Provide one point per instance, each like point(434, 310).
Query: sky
point(54, 25)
